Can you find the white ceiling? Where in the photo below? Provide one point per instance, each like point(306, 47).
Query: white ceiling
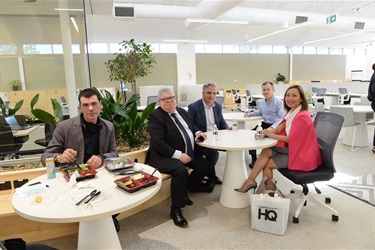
point(156, 20)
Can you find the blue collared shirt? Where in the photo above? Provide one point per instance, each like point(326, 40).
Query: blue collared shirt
point(273, 111)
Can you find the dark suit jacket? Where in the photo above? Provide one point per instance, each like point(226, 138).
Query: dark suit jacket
point(198, 116)
point(165, 135)
point(68, 134)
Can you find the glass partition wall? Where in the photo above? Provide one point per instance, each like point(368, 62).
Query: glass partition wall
point(43, 48)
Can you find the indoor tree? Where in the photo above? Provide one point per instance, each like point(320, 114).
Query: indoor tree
point(134, 60)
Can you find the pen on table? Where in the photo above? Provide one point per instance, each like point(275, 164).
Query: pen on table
point(92, 197)
point(149, 178)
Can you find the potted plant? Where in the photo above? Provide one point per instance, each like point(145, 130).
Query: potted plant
point(15, 84)
point(131, 62)
point(44, 116)
point(130, 125)
point(5, 111)
point(280, 78)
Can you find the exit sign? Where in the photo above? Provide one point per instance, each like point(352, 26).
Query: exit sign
point(331, 19)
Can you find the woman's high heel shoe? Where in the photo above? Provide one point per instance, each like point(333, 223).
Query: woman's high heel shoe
point(247, 188)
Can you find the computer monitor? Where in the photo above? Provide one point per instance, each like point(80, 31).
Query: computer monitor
point(13, 124)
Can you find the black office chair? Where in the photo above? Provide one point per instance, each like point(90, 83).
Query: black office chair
point(250, 102)
point(236, 99)
point(327, 126)
point(48, 132)
point(321, 92)
point(8, 144)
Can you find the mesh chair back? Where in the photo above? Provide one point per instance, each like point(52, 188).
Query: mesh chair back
point(321, 92)
point(220, 99)
point(343, 91)
point(152, 99)
point(7, 142)
point(328, 126)
point(346, 112)
point(248, 93)
point(314, 90)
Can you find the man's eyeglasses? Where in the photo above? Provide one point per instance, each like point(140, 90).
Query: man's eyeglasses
point(169, 99)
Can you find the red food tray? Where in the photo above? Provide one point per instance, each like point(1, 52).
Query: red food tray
point(83, 174)
point(138, 184)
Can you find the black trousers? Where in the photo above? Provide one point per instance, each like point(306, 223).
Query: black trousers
point(253, 153)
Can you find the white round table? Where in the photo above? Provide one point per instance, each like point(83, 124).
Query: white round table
point(96, 227)
point(235, 174)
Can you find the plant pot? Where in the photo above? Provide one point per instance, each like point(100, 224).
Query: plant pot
point(280, 82)
point(15, 88)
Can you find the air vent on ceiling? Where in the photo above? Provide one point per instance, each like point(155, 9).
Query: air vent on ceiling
point(125, 12)
point(301, 19)
point(359, 25)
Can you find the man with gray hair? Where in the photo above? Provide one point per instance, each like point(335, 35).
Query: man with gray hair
point(205, 114)
point(172, 151)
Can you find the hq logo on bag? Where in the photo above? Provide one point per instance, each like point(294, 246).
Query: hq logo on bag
point(269, 214)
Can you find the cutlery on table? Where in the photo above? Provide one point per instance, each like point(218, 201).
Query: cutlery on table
point(149, 178)
point(92, 197)
point(84, 198)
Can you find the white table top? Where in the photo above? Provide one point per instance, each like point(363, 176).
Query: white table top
point(24, 132)
point(239, 116)
point(236, 140)
point(58, 205)
point(356, 108)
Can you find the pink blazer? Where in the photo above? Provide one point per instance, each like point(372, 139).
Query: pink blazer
point(304, 153)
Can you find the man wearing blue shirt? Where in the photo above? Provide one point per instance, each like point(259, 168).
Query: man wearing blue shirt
point(272, 110)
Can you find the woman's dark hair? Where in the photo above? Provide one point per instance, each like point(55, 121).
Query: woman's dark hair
point(305, 106)
point(373, 66)
point(87, 93)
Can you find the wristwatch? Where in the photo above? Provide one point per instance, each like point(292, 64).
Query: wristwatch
point(56, 159)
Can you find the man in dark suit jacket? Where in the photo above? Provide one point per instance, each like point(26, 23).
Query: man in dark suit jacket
point(169, 152)
point(205, 113)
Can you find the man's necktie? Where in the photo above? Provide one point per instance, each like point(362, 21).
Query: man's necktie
point(187, 138)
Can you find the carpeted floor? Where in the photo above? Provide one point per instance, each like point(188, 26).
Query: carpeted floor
point(362, 188)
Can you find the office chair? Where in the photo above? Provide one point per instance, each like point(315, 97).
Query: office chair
point(327, 126)
point(48, 132)
point(236, 99)
point(63, 101)
point(152, 99)
point(321, 92)
point(344, 97)
point(220, 100)
point(314, 90)
point(349, 122)
point(8, 144)
point(250, 102)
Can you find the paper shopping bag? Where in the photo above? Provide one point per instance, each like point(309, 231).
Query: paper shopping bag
point(269, 214)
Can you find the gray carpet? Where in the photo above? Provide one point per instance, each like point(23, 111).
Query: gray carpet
point(362, 188)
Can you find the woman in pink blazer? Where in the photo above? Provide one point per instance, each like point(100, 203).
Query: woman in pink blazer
point(297, 132)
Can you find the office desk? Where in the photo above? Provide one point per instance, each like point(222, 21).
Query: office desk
point(96, 228)
point(361, 137)
point(24, 132)
point(235, 174)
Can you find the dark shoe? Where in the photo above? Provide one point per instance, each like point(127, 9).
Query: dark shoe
point(217, 180)
point(206, 187)
point(251, 165)
point(188, 201)
point(178, 218)
point(247, 188)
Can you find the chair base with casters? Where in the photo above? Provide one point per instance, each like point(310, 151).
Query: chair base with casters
point(327, 126)
point(305, 195)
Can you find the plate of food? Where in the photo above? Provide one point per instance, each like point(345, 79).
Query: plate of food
point(118, 163)
point(135, 183)
point(81, 171)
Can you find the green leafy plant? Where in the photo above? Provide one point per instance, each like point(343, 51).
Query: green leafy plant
point(10, 111)
point(15, 84)
point(44, 116)
point(280, 77)
point(130, 125)
point(131, 62)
